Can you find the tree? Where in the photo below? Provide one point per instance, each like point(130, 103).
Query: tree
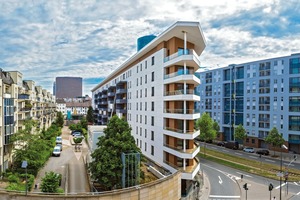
point(240, 133)
point(90, 115)
point(207, 132)
point(106, 167)
point(59, 119)
point(274, 138)
point(50, 182)
point(84, 123)
point(216, 126)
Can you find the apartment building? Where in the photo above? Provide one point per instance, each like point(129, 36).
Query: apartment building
point(74, 106)
point(259, 95)
point(154, 91)
point(20, 100)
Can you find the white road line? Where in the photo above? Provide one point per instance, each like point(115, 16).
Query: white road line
point(220, 180)
point(244, 174)
point(225, 150)
point(288, 164)
point(269, 160)
point(253, 157)
point(298, 193)
point(238, 154)
point(214, 147)
point(224, 197)
point(295, 183)
point(283, 184)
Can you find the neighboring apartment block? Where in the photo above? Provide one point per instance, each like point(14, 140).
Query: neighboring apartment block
point(154, 91)
point(259, 95)
point(74, 106)
point(67, 87)
point(21, 100)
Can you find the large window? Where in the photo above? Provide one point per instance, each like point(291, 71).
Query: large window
point(227, 75)
point(294, 104)
point(295, 66)
point(295, 85)
point(294, 123)
point(240, 73)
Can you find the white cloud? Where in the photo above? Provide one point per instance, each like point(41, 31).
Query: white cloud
point(44, 39)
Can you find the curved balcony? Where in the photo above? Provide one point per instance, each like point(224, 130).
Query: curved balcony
point(180, 152)
point(179, 133)
point(188, 95)
point(189, 57)
point(188, 114)
point(121, 91)
point(121, 101)
point(182, 76)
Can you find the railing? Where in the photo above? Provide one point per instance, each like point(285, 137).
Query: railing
point(188, 169)
point(179, 73)
point(120, 91)
point(179, 130)
point(180, 52)
point(180, 92)
point(182, 111)
point(180, 148)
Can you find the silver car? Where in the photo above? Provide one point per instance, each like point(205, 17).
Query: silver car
point(249, 149)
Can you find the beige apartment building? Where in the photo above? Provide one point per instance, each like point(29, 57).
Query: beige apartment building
point(154, 90)
point(21, 100)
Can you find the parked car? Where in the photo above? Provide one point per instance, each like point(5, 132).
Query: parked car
point(58, 140)
point(232, 145)
point(60, 146)
point(75, 132)
point(249, 149)
point(77, 135)
point(263, 152)
point(56, 151)
point(221, 144)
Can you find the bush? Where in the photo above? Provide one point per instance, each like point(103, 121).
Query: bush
point(13, 178)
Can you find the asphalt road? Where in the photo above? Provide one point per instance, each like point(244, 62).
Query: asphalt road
point(287, 157)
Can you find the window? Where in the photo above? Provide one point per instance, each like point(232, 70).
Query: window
point(145, 119)
point(152, 76)
point(137, 81)
point(137, 69)
point(141, 119)
point(141, 93)
point(145, 106)
point(152, 150)
point(141, 131)
point(145, 133)
point(141, 67)
point(152, 121)
point(145, 92)
point(141, 146)
point(137, 118)
point(152, 106)
point(145, 146)
point(152, 91)
point(152, 60)
point(141, 106)
point(137, 142)
point(137, 106)
point(137, 131)
point(152, 135)
point(146, 78)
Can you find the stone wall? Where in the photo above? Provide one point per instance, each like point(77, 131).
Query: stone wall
point(165, 188)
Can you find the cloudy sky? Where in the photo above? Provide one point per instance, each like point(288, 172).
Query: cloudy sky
point(90, 38)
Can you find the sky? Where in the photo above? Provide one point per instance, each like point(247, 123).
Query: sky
point(44, 39)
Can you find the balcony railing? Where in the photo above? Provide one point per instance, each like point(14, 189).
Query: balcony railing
point(179, 73)
point(188, 169)
point(180, 148)
point(180, 92)
point(177, 54)
point(182, 111)
point(179, 130)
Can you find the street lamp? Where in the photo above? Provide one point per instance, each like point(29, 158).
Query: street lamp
point(24, 166)
point(282, 147)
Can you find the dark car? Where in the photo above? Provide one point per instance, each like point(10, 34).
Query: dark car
point(221, 144)
point(75, 132)
point(263, 152)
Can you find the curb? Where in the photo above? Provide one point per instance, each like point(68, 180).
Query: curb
point(205, 190)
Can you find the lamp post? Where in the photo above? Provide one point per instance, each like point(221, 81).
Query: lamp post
point(282, 147)
point(24, 166)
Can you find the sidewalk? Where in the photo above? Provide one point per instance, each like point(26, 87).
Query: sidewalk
point(205, 188)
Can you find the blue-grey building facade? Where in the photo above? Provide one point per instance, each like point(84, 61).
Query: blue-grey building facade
point(259, 95)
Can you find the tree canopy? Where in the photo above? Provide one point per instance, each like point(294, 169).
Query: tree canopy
point(240, 133)
point(106, 167)
point(50, 182)
point(207, 131)
point(59, 119)
point(90, 115)
point(274, 138)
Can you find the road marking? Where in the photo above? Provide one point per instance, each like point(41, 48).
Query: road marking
point(238, 154)
point(225, 173)
point(283, 184)
point(244, 174)
point(253, 157)
point(225, 150)
point(298, 193)
point(220, 180)
point(269, 160)
point(224, 197)
point(288, 164)
point(295, 183)
point(214, 147)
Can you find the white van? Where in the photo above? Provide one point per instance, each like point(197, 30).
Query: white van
point(56, 151)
